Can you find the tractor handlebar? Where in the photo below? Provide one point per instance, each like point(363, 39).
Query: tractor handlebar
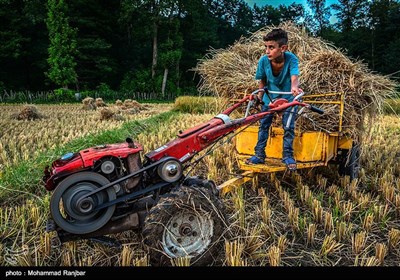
point(254, 101)
point(316, 110)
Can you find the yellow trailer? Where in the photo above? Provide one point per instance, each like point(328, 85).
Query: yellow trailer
point(311, 148)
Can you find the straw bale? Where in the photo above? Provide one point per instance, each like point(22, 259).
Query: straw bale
point(89, 104)
point(108, 114)
point(129, 103)
point(323, 69)
point(28, 112)
point(100, 103)
point(132, 106)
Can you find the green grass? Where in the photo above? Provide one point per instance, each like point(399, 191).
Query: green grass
point(200, 104)
point(392, 106)
point(25, 179)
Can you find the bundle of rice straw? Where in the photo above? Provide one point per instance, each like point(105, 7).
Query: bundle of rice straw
point(323, 69)
point(88, 104)
point(129, 104)
point(100, 103)
point(108, 114)
point(28, 112)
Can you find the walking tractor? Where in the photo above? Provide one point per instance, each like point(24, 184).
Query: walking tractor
point(109, 188)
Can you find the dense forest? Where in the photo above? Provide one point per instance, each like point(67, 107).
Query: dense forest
point(151, 46)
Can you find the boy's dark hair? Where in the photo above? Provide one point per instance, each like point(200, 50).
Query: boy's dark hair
point(279, 35)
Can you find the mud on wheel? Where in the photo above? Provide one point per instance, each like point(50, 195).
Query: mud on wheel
point(187, 222)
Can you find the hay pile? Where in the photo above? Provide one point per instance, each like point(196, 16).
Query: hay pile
point(108, 114)
point(89, 104)
point(28, 112)
point(130, 106)
point(100, 103)
point(323, 69)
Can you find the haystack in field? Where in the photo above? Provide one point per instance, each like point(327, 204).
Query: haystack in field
point(89, 104)
point(108, 114)
point(323, 69)
point(130, 106)
point(100, 103)
point(28, 112)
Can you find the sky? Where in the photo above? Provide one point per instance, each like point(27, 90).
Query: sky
point(284, 2)
point(288, 2)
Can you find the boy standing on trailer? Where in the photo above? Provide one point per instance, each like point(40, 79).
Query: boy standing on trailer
point(278, 70)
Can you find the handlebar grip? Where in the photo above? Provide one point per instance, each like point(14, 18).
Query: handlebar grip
point(316, 109)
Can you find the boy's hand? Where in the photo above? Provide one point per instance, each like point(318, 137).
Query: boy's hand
point(296, 91)
point(256, 100)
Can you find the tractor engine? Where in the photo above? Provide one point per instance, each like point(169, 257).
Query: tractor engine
point(112, 161)
point(78, 204)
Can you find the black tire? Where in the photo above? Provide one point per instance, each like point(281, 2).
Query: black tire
point(188, 221)
point(71, 219)
point(350, 164)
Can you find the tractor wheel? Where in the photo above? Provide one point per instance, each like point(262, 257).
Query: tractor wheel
point(350, 165)
point(187, 222)
point(76, 216)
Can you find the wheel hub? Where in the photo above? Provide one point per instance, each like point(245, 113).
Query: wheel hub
point(185, 230)
point(187, 234)
point(85, 205)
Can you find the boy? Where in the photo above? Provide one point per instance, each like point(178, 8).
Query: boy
point(278, 70)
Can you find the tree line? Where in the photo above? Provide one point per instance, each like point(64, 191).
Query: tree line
point(151, 46)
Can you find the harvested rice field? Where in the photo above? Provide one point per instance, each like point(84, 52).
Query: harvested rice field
point(59, 124)
point(305, 218)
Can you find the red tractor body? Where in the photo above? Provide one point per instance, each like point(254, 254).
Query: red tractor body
point(86, 159)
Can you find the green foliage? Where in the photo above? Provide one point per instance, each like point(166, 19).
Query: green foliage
point(91, 42)
point(62, 49)
point(138, 81)
point(105, 92)
point(392, 106)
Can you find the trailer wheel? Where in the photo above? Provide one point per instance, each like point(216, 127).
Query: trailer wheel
point(350, 167)
point(187, 222)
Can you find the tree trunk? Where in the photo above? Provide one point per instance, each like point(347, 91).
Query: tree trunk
point(164, 82)
point(155, 50)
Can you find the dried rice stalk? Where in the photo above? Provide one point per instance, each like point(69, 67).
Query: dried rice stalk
point(311, 234)
point(28, 112)
point(358, 242)
point(233, 251)
point(380, 252)
point(100, 103)
point(181, 261)
point(274, 256)
point(329, 246)
point(88, 104)
point(108, 114)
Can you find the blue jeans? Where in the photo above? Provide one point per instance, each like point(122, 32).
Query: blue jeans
point(288, 122)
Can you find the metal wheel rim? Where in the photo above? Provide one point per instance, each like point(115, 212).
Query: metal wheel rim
point(187, 234)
